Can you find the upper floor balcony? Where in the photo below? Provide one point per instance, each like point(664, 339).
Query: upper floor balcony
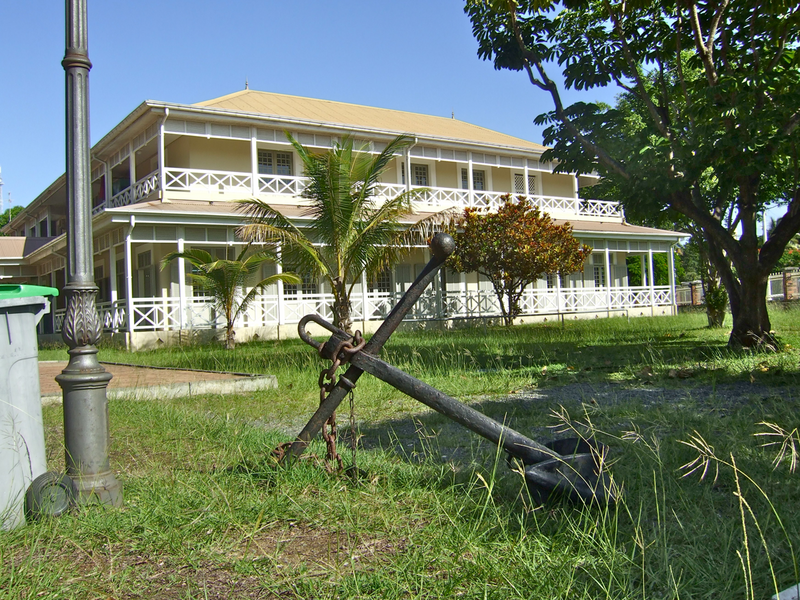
point(212, 185)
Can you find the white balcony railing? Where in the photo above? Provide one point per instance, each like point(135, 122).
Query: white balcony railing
point(209, 182)
point(164, 314)
point(131, 195)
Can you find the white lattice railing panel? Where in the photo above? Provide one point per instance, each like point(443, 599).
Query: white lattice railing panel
point(281, 184)
point(295, 308)
point(558, 204)
point(113, 315)
point(268, 309)
point(387, 191)
point(132, 194)
point(380, 304)
point(187, 180)
point(600, 208)
point(156, 313)
point(201, 313)
point(539, 301)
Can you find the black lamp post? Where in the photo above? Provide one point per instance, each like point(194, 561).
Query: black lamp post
point(84, 381)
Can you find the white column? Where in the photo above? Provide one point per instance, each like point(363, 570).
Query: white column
point(181, 281)
point(408, 169)
point(107, 183)
point(650, 279)
point(364, 301)
point(278, 270)
point(112, 274)
point(525, 177)
point(575, 194)
point(671, 268)
point(608, 277)
point(469, 180)
point(643, 270)
point(253, 163)
point(129, 276)
point(132, 169)
point(162, 184)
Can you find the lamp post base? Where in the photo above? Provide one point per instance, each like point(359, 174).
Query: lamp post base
point(84, 383)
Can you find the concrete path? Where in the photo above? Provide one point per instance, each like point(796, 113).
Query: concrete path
point(134, 382)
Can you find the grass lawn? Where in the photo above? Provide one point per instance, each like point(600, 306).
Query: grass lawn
point(438, 513)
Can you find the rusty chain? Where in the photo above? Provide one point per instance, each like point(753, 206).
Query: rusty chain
point(342, 354)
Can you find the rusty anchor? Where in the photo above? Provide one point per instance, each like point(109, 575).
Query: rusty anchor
point(573, 467)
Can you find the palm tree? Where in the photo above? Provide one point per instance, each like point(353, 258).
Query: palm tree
point(350, 232)
point(226, 279)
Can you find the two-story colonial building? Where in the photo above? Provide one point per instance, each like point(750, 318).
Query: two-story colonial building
point(167, 177)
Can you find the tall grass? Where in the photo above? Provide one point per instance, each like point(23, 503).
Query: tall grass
point(437, 513)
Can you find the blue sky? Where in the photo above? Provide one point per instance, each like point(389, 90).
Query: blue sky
point(417, 55)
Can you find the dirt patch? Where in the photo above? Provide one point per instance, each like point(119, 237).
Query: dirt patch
point(262, 566)
point(315, 549)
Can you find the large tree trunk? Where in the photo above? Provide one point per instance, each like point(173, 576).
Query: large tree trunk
point(747, 293)
point(751, 325)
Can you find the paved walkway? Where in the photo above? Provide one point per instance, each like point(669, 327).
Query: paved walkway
point(130, 381)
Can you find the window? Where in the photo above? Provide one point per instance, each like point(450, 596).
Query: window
point(478, 179)
point(143, 282)
point(307, 287)
point(519, 183)
point(274, 163)
point(599, 276)
point(122, 288)
point(551, 280)
point(420, 174)
point(103, 284)
point(382, 283)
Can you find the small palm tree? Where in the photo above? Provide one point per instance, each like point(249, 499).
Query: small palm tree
point(226, 279)
point(350, 233)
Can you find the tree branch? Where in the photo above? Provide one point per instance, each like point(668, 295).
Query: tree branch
point(548, 85)
point(706, 53)
point(643, 95)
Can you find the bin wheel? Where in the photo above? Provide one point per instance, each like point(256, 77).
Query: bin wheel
point(51, 494)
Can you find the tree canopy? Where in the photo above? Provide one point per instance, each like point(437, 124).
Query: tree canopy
point(706, 124)
point(513, 248)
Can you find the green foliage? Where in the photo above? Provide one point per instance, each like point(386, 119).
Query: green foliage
point(350, 232)
point(705, 126)
point(8, 215)
point(790, 256)
point(660, 269)
point(514, 247)
point(226, 280)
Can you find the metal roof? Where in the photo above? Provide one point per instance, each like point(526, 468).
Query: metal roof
point(363, 117)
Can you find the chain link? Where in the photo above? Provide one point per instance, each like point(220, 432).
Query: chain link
point(327, 381)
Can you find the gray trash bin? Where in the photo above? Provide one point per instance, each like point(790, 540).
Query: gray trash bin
point(22, 454)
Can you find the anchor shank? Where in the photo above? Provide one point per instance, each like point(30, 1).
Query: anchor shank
point(516, 444)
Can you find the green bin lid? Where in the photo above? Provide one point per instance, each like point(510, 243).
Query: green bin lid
point(16, 290)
